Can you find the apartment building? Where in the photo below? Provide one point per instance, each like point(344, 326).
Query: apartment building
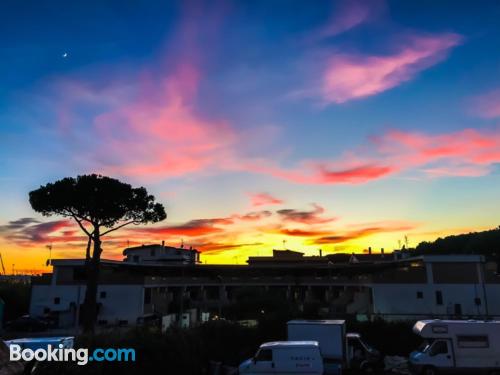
point(388, 286)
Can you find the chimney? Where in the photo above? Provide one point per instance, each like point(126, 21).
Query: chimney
point(370, 250)
point(320, 252)
point(382, 252)
point(163, 243)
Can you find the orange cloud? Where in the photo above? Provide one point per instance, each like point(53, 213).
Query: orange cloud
point(193, 228)
point(301, 232)
point(363, 232)
point(217, 248)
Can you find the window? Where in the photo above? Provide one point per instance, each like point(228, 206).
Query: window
point(439, 297)
point(477, 301)
point(439, 347)
point(420, 295)
point(458, 309)
point(79, 274)
point(472, 341)
point(57, 301)
point(147, 296)
point(153, 252)
point(102, 294)
point(440, 329)
point(136, 258)
point(264, 355)
point(102, 322)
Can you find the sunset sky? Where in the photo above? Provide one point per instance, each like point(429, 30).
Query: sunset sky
point(328, 125)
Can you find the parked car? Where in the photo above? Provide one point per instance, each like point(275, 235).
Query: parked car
point(457, 346)
point(26, 323)
point(285, 357)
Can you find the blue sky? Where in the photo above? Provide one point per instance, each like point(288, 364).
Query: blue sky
point(374, 119)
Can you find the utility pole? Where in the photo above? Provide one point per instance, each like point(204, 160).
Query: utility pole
point(1, 263)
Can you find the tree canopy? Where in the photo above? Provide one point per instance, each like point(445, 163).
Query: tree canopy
point(97, 200)
point(485, 243)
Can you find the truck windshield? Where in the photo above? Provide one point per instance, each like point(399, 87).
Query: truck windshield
point(425, 346)
point(368, 347)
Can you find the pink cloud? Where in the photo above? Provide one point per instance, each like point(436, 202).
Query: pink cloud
point(319, 172)
point(464, 150)
point(467, 152)
point(486, 105)
point(353, 76)
point(30, 232)
point(179, 141)
point(347, 15)
point(263, 199)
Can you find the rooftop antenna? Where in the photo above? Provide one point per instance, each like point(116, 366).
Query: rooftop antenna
point(284, 244)
point(406, 241)
point(50, 254)
point(182, 243)
point(128, 243)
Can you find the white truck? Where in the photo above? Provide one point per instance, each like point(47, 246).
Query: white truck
point(455, 346)
point(285, 358)
point(340, 350)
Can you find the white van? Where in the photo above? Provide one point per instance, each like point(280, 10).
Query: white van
point(285, 358)
point(455, 346)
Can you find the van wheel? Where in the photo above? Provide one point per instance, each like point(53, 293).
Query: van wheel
point(429, 371)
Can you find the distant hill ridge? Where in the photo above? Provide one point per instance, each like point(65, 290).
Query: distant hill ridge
point(485, 243)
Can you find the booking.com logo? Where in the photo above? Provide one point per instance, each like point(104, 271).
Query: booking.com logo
point(80, 356)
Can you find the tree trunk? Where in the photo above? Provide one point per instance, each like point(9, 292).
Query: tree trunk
point(90, 308)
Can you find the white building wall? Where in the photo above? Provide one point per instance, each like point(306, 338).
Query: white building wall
point(493, 294)
point(401, 299)
point(122, 302)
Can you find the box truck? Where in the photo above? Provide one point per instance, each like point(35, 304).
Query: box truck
point(340, 350)
point(456, 346)
point(285, 358)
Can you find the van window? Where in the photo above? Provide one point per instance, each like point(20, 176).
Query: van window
point(264, 355)
point(439, 347)
point(440, 329)
point(469, 341)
